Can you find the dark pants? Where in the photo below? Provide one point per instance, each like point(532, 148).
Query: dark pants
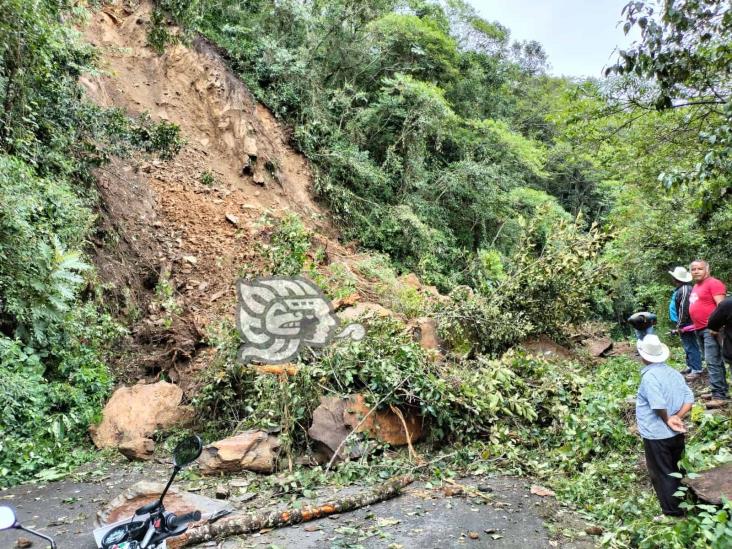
point(715, 364)
point(691, 348)
point(662, 458)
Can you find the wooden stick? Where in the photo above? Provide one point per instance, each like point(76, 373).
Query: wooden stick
point(247, 523)
point(278, 369)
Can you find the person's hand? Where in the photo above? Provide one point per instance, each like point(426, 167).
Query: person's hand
point(715, 334)
point(675, 423)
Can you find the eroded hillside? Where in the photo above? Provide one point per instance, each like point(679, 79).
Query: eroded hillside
point(194, 220)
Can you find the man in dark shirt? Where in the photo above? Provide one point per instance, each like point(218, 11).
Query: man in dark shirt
point(720, 324)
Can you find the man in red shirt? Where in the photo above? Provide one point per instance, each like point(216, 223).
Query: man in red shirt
point(705, 295)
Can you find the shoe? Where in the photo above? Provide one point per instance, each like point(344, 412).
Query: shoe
point(706, 396)
point(685, 371)
point(717, 403)
point(692, 376)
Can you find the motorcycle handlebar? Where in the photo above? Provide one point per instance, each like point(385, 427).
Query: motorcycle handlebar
point(173, 521)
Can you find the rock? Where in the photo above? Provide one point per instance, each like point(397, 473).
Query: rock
point(599, 347)
point(137, 412)
point(593, 531)
point(541, 491)
point(190, 259)
point(410, 280)
point(176, 501)
point(424, 331)
point(383, 425)
point(712, 484)
point(23, 543)
point(222, 491)
point(543, 347)
point(452, 491)
point(347, 301)
point(252, 451)
point(329, 429)
point(231, 218)
point(258, 178)
point(366, 310)
point(473, 535)
point(139, 449)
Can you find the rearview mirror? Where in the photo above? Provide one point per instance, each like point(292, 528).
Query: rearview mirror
point(7, 517)
point(187, 451)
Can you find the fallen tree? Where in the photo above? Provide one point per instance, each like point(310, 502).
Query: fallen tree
point(247, 523)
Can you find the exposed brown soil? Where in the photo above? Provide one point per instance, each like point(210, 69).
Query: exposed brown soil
point(165, 220)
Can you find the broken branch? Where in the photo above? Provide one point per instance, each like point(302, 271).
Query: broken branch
point(247, 523)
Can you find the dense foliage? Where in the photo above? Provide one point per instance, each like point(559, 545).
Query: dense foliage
point(53, 336)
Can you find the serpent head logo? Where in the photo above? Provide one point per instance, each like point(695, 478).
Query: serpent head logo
point(278, 315)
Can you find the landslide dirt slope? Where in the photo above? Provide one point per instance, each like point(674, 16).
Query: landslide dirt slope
point(168, 219)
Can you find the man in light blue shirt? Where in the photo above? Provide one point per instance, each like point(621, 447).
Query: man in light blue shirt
point(663, 400)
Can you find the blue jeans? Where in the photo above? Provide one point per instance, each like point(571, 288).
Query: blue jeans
point(715, 364)
point(640, 334)
point(691, 348)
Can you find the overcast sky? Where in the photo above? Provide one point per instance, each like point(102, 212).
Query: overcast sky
point(579, 36)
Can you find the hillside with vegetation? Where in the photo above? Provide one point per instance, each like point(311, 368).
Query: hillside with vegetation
point(411, 159)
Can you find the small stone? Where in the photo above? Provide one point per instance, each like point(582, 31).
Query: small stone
point(22, 543)
point(311, 528)
point(231, 218)
point(222, 491)
point(190, 259)
point(593, 530)
point(484, 488)
point(473, 535)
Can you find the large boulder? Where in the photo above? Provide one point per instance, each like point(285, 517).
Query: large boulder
point(176, 501)
point(336, 418)
point(252, 451)
point(365, 310)
point(384, 425)
point(139, 449)
point(135, 413)
point(713, 484)
point(329, 429)
point(424, 331)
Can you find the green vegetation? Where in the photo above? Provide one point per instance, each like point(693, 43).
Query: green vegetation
point(54, 335)
point(534, 203)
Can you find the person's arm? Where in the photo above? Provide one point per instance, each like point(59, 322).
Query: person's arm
point(719, 317)
point(718, 298)
point(676, 421)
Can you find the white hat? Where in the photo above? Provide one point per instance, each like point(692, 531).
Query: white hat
point(681, 274)
point(651, 348)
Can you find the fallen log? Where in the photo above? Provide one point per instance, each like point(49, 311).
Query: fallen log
point(247, 523)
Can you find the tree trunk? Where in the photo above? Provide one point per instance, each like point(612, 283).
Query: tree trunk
point(246, 523)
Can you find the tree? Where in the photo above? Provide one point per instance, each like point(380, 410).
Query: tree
point(685, 50)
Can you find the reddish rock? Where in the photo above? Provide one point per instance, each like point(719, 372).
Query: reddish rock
point(599, 347)
point(365, 309)
point(424, 331)
point(329, 429)
point(712, 484)
point(139, 449)
point(383, 425)
point(176, 501)
point(251, 451)
point(411, 280)
point(136, 412)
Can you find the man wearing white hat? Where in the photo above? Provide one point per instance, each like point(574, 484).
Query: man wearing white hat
point(679, 313)
point(662, 402)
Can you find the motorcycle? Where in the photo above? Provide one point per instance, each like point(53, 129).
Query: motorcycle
point(149, 526)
